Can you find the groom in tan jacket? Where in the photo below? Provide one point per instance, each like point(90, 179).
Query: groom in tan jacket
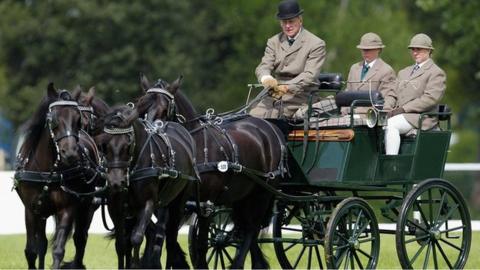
point(373, 73)
point(291, 63)
point(420, 87)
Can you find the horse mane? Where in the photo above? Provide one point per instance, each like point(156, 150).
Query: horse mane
point(184, 106)
point(120, 116)
point(144, 102)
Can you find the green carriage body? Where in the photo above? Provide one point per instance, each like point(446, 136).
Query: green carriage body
point(359, 162)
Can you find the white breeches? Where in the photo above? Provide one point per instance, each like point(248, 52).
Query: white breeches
point(395, 126)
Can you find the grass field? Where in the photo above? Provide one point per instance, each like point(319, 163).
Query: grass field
point(101, 252)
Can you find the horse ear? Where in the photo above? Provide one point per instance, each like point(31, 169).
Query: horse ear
point(90, 95)
point(51, 91)
point(176, 85)
point(76, 92)
point(144, 83)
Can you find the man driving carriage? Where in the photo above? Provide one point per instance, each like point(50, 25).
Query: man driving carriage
point(292, 61)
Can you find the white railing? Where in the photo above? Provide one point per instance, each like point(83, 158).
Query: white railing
point(13, 212)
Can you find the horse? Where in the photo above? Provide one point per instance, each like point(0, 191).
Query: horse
point(149, 166)
point(253, 146)
point(56, 174)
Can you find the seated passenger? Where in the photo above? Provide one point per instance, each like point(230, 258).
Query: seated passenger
point(291, 63)
point(372, 73)
point(420, 87)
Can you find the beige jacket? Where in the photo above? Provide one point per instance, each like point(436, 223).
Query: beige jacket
point(380, 76)
point(420, 92)
point(297, 65)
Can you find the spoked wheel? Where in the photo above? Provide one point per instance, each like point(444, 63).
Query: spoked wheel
point(433, 229)
point(222, 242)
point(298, 232)
point(352, 239)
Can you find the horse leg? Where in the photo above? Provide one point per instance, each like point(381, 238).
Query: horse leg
point(175, 256)
point(31, 247)
point(156, 237)
point(242, 251)
point(138, 232)
point(63, 228)
point(146, 259)
point(257, 256)
point(202, 243)
point(80, 236)
point(42, 242)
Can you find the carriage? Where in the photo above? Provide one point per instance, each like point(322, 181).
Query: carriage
point(343, 192)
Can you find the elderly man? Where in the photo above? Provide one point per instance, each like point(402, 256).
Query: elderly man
point(292, 62)
point(372, 73)
point(420, 87)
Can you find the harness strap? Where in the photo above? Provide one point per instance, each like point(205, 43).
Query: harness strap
point(160, 173)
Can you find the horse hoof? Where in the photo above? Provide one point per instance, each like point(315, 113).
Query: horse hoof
point(72, 265)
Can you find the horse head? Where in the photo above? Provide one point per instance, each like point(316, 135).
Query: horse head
point(64, 122)
point(92, 108)
point(159, 101)
point(117, 143)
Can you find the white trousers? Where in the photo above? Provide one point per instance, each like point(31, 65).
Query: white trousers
point(395, 126)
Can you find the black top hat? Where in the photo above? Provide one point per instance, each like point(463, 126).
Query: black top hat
point(288, 9)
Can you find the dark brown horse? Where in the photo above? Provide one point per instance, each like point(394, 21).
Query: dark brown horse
point(149, 166)
point(56, 175)
point(254, 148)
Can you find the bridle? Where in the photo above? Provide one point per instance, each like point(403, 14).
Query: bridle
point(171, 108)
point(88, 110)
point(52, 125)
point(121, 164)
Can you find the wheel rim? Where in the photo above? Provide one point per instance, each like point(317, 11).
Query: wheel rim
point(434, 228)
point(222, 241)
point(299, 233)
point(353, 238)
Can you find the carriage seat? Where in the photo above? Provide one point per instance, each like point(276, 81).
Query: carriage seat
point(362, 98)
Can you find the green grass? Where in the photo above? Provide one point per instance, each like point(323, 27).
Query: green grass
point(101, 252)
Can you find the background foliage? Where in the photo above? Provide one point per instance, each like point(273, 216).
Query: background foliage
point(217, 44)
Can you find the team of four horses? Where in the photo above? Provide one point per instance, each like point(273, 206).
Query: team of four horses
point(152, 157)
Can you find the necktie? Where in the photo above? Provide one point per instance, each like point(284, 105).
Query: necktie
point(364, 71)
point(290, 41)
point(415, 68)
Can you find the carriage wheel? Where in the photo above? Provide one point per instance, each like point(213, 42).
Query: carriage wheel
point(352, 239)
point(433, 229)
point(298, 232)
point(222, 242)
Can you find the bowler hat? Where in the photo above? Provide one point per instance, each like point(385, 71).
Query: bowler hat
point(288, 9)
point(421, 41)
point(370, 41)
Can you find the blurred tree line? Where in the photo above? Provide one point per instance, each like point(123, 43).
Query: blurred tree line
point(217, 44)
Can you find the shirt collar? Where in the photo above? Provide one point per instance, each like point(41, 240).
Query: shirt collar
point(370, 65)
point(296, 36)
point(423, 63)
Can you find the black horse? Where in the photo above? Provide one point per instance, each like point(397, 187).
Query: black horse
point(253, 147)
point(56, 175)
point(149, 166)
